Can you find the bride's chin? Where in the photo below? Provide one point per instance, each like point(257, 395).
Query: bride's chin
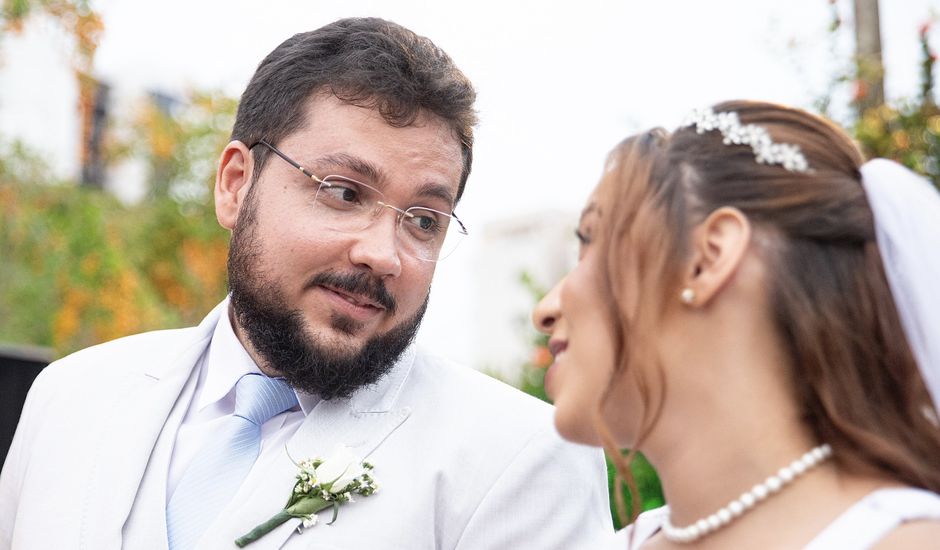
point(577, 428)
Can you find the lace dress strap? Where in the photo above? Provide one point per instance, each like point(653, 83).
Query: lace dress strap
point(877, 514)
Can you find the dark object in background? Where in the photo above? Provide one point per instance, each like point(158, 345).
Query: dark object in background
point(19, 366)
point(94, 126)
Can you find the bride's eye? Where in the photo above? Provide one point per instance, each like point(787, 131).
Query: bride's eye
point(584, 239)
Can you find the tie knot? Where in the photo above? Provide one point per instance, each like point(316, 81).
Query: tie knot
point(258, 397)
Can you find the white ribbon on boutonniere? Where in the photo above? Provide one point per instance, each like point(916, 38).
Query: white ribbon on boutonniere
point(321, 484)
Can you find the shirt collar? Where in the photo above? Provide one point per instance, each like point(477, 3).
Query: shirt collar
point(227, 361)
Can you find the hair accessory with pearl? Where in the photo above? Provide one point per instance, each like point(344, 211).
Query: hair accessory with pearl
point(735, 133)
point(748, 499)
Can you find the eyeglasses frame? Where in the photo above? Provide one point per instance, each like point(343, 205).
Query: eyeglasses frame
point(461, 228)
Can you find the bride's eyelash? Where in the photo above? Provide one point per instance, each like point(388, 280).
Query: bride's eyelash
point(582, 238)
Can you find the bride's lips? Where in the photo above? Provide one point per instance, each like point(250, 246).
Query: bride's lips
point(556, 347)
point(357, 306)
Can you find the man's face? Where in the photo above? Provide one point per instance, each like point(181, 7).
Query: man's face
point(303, 293)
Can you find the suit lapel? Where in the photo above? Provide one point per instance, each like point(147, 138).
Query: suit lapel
point(124, 451)
point(146, 525)
point(363, 423)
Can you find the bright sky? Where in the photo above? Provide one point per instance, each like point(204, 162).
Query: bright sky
point(559, 83)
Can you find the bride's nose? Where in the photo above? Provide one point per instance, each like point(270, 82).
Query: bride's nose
point(548, 311)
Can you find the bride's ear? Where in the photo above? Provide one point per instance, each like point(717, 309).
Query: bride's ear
point(718, 247)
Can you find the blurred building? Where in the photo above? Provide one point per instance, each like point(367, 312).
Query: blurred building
point(39, 101)
point(540, 246)
point(66, 119)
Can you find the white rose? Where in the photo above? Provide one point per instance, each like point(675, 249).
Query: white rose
point(340, 469)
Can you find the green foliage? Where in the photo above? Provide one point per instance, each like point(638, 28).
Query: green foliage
point(908, 133)
point(907, 130)
point(75, 17)
point(59, 246)
point(647, 484)
point(78, 267)
point(15, 10)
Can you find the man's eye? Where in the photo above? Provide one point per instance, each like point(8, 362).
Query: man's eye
point(348, 194)
point(340, 191)
point(426, 223)
point(336, 193)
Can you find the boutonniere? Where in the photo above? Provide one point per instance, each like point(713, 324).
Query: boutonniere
point(321, 484)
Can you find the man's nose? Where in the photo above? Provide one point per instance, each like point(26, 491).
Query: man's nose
point(376, 247)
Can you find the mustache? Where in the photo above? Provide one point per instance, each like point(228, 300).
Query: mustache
point(360, 283)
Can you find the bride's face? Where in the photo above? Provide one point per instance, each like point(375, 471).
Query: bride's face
point(575, 315)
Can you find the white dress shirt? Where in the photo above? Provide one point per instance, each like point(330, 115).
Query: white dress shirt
point(223, 363)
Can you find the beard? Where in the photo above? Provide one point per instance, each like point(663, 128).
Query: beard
point(279, 335)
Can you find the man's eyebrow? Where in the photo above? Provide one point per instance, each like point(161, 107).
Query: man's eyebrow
point(360, 166)
point(437, 191)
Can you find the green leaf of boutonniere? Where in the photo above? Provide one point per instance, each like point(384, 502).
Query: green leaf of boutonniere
point(321, 484)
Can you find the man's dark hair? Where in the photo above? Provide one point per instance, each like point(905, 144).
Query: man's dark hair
point(367, 62)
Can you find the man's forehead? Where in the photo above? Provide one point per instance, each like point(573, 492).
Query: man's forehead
point(423, 159)
point(326, 105)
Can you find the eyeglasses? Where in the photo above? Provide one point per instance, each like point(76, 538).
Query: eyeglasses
point(349, 206)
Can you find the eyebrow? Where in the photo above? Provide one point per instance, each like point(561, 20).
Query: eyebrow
point(437, 191)
point(375, 175)
point(592, 207)
point(356, 164)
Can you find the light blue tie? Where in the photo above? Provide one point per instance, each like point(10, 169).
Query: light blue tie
point(220, 467)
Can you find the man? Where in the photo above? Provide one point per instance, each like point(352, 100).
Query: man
point(351, 148)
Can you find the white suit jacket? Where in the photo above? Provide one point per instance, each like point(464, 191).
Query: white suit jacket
point(463, 461)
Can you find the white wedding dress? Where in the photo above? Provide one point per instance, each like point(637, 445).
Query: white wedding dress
point(861, 526)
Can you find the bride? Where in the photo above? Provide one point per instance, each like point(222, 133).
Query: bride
point(757, 311)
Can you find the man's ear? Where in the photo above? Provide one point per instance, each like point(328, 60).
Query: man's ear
point(718, 247)
point(232, 182)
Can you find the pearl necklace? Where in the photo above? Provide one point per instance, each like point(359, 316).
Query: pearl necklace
point(748, 499)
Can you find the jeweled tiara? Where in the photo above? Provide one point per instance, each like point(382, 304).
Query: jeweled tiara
point(735, 133)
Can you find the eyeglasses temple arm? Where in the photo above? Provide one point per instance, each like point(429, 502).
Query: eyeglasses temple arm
point(463, 228)
point(287, 159)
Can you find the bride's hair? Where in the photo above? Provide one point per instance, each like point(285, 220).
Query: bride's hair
point(853, 374)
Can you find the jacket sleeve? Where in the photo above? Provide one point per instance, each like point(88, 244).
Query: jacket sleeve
point(553, 494)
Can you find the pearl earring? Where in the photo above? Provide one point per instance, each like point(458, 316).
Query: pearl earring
point(687, 296)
